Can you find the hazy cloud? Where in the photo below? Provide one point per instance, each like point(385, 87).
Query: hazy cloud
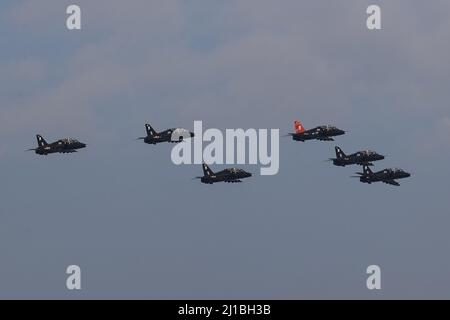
point(238, 63)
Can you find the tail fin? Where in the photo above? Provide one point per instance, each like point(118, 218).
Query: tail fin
point(339, 153)
point(41, 141)
point(150, 131)
point(299, 128)
point(206, 170)
point(366, 170)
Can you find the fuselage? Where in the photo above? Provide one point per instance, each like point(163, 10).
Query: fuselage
point(324, 133)
point(384, 175)
point(359, 158)
point(169, 135)
point(164, 136)
point(60, 146)
point(228, 175)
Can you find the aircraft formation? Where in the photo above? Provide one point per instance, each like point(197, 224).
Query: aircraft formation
point(363, 158)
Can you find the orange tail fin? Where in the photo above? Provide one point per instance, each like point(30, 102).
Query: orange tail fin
point(299, 128)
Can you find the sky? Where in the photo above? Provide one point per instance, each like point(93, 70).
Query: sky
point(140, 228)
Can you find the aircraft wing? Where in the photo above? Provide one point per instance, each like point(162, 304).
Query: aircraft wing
point(392, 182)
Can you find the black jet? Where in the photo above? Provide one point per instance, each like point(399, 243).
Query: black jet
point(230, 175)
point(386, 176)
point(60, 146)
point(169, 135)
point(361, 158)
point(322, 133)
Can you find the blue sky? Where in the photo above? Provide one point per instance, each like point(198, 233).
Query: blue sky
point(140, 228)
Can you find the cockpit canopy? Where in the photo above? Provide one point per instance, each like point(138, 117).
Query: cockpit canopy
point(395, 170)
point(368, 152)
point(328, 127)
point(68, 141)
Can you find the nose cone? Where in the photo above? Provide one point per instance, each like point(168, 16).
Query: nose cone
point(407, 174)
point(248, 174)
point(192, 134)
point(341, 132)
point(82, 145)
point(380, 157)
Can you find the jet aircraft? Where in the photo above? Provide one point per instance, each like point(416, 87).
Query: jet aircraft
point(361, 158)
point(60, 146)
point(170, 135)
point(231, 175)
point(386, 176)
point(323, 133)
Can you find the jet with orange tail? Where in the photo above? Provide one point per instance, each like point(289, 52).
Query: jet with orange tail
point(322, 133)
